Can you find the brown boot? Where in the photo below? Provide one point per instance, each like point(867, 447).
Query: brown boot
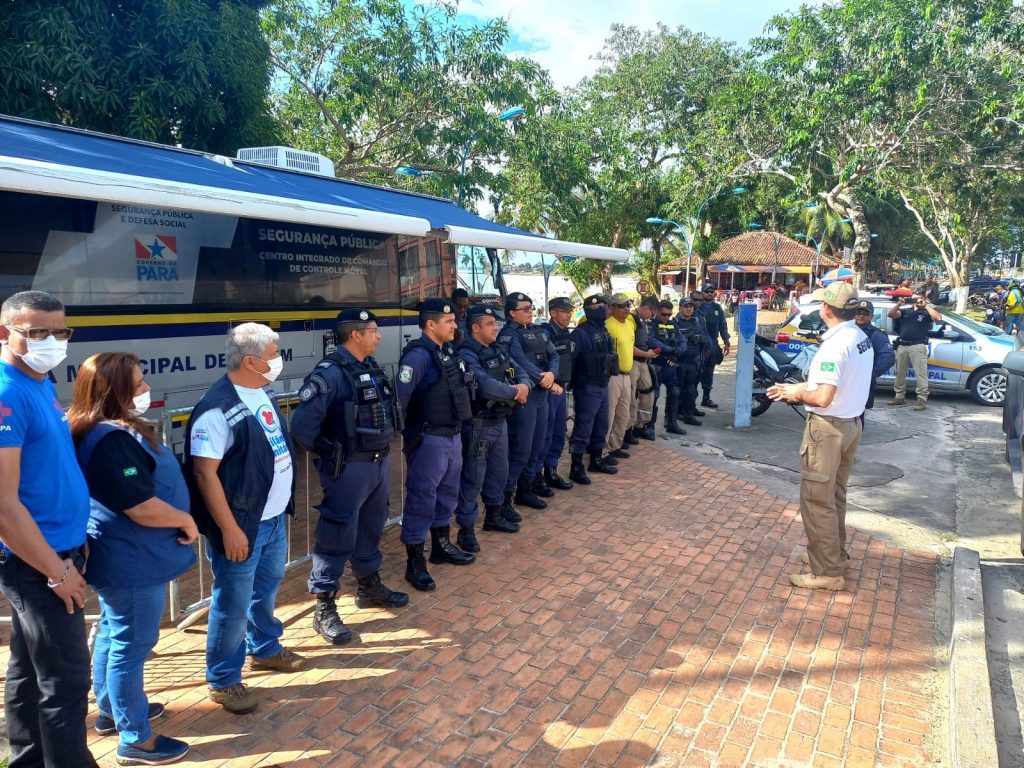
point(919, 405)
point(810, 581)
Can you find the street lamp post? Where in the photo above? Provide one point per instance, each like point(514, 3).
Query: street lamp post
point(512, 113)
point(689, 238)
point(818, 245)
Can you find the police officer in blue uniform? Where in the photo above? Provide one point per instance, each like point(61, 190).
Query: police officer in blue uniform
point(501, 386)
point(347, 416)
point(560, 313)
point(718, 330)
point(460, 300)
point(435, 390)
point(688, 364)
point(665, 333)
point(528, 344)
point(593, 357)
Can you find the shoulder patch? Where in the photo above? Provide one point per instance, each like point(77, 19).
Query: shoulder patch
point(828, 366)
point(405, 374)
point(131, 471)
point(307, 393)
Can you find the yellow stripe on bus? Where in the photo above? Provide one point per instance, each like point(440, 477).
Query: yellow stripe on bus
point(211, 317)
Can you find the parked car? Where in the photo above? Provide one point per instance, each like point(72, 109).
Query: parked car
point(962, 353)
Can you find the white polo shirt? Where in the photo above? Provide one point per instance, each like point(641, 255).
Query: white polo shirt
point(844, 360)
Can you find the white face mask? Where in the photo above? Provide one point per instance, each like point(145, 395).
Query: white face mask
point(45, 354)
point(141, 403)
point(275, 369)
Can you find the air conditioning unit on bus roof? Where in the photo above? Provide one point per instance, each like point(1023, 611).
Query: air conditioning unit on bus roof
point(290, 158)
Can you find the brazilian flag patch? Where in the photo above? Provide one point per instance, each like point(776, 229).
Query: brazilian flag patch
point(131, 471)
point(831, 367)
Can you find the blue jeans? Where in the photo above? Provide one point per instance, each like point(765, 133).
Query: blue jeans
point(1014, 323)
point(129, 629)
point(242, 611)
point(47, 692)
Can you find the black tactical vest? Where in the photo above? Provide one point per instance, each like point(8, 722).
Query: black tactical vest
point(498, 365)
point(370, 420)
point(563, 346)
point(692, 332)
point(535, 343)
point(448, 402)
point(643, 333)
point(597, 362)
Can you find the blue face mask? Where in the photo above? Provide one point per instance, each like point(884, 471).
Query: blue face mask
point(596, 314)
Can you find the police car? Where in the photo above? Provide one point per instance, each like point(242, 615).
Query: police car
point(962, 353)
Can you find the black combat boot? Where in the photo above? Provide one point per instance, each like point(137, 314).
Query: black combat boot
point(618, 453)
point(699, 412)
point(541, 487)
point(327, 622)
point(577, 471)
point(672, 413)
point(372, 592)
point(630, 437)
point(598, 464)
point(555, 480)
point(707, 402)
point(466, 540)
point(526, 497)
point(508, 511)
point(443, 551)
point(688, 413)
point(647, 433)
point(416, 569)
point(494, 520)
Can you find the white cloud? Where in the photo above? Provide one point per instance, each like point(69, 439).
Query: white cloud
point(564, 35)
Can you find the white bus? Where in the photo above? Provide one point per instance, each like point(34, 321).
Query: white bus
point(158, 251)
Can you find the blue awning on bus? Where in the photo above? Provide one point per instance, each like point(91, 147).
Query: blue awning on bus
point(48, 159)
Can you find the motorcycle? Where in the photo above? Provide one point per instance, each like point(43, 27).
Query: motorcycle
point(773, 366)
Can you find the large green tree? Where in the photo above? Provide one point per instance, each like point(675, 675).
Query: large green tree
point(376, 85)
point(830, 100)
point(964, 174)
point(194, 72)
point(593, 166)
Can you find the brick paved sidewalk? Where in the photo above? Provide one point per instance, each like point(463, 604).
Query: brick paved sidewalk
point(638, 621)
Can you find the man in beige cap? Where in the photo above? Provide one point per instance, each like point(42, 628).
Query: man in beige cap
point(620, 388)
point(834, 395)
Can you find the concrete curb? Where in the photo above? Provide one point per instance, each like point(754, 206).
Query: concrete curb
point(972, 737)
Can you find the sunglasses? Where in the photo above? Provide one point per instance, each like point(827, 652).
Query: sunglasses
point(38, 334)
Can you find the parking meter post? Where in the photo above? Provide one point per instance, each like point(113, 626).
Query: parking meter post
point(747, 329)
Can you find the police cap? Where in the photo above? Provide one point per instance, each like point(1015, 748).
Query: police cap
point(686, 300)
point(866, 306)
point(436, 307)
point(354, 315)
point(478, 310)
point(593, 301)
point(707, 287)
point(560, 302)
point(513, 299)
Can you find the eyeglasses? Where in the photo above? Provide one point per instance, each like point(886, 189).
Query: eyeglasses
point(38, 334)
point(528, 308)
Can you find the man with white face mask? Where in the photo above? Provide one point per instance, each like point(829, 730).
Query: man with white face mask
point(44, 510)
point(238, 461)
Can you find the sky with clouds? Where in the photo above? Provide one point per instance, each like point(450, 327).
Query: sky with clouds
point(563, 35)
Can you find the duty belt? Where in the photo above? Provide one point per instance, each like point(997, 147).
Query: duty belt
point(430, 429)
point(368, 455)
point(825, 417)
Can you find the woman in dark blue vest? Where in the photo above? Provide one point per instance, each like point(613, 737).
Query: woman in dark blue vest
point(140, 537)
